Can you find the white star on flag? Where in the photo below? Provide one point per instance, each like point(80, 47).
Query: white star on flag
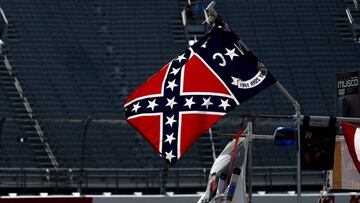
point(170, 120)
point(174, 71)
point(189, 102)
point(207, 102)
point(235, 81)
point(224, 104)
point(193, 90)
point(169, 155)
point(171, 102)
point(181, 57)
point(231, 53)
point(171, 85)
point(170, 138)
point(136, 107)
point(152, 104)
point(204, 45)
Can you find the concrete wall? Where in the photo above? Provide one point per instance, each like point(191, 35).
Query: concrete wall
point(270, 198)
point(267, 198)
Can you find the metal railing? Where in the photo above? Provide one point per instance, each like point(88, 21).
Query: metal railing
point(124, 180)
point(89, 180)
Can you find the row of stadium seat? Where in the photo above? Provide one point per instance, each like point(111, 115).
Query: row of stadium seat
point(82, 59)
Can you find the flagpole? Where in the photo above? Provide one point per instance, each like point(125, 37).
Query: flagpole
point(297, 118)
point(212, 144)
point(211, 16)
point(249, 161)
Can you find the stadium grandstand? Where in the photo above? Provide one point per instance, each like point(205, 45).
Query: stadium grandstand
point(68, 66)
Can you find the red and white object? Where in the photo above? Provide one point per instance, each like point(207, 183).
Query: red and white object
point(352, 138)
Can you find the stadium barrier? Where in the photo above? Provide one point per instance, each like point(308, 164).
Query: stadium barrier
point(149, 180)
point(191, 198)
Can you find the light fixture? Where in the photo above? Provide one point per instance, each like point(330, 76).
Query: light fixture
point(261, 192)
point(76, 194)
point(291, 192)
point(107, 194)
point(169, 193)
point(192, 41)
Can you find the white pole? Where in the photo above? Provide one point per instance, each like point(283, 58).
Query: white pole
point(297, 118)
point(249, 160)
point(298, 160)
point(212, 144)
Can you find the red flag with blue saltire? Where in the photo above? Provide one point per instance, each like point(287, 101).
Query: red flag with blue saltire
point(174, 107)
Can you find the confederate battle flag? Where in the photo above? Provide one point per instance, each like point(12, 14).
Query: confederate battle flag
point(194, 90)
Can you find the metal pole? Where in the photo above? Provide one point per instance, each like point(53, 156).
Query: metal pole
point(288, 96)
point(56, 181)
point(164, 179)
point(212, 17)
point(249, 160)
point(83, 142)
point(2, 121)
point(212, 144)
point(298, 160)
point(297, 118)
point(117, 181)
point(338, 119)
